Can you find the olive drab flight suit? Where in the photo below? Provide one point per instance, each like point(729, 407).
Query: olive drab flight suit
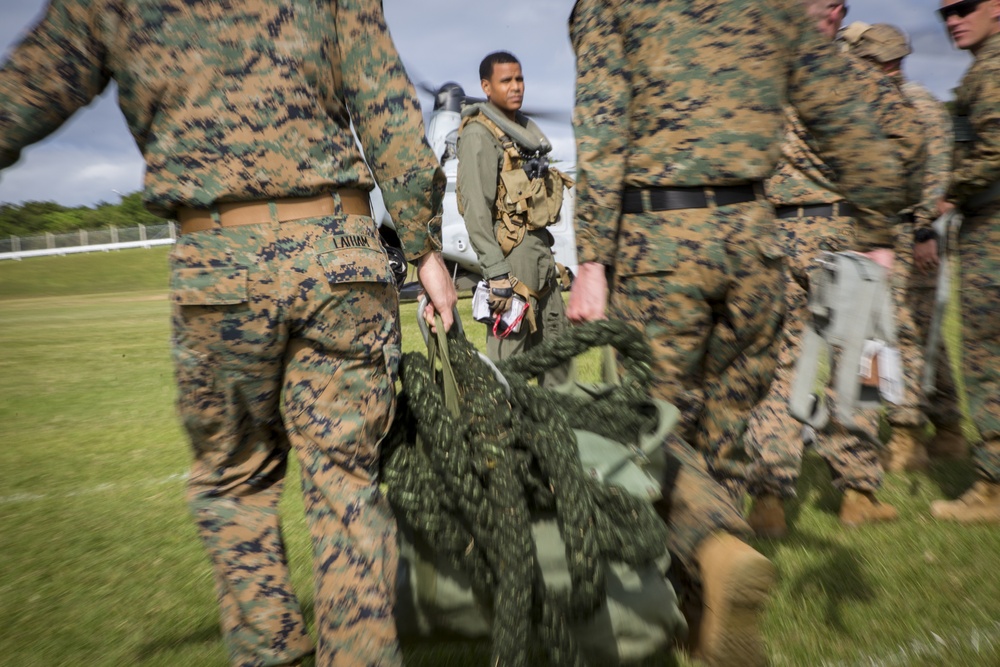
point(506, 212)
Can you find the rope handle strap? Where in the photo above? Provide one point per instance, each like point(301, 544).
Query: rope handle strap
point(437, 350)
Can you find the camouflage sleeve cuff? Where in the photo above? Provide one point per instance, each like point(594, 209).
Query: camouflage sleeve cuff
point(874, 230)
point(597, 234)
point(923, 234)
point(413, 200)
point(497, 269)
point(924, 215)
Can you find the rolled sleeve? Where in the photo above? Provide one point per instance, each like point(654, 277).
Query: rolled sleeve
point(601, 125)
point(390, 126)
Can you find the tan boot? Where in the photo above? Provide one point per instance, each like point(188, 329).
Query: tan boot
point(736, 582)
point(859, 507)
point(948, 442)
point(767, 517)
point(980, 504)
point(905, 451)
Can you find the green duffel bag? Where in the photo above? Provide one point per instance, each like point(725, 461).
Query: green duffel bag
point(635, 613)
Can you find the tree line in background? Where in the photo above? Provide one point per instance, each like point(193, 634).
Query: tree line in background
point(35, 218)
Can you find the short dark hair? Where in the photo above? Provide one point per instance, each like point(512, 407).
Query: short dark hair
point(496, 58)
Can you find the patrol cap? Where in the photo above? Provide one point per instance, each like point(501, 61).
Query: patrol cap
point(883, 43)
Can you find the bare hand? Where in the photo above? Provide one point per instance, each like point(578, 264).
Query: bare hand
point(925, 255)
point(440, 289)
point(881, 256)
point(588, 298)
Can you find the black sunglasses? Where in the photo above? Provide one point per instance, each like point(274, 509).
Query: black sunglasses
point(959, 9)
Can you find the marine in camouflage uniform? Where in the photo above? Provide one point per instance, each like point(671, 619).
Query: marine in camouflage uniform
point(975, 189)
point(480, 161)
point(285, 331)
point(914, 289)
point(678, 119)
point(817, 212)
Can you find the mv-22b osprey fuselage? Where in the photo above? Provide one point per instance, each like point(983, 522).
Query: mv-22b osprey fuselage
point(442, 134)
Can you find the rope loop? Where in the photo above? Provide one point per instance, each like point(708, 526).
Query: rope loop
point(469, 486)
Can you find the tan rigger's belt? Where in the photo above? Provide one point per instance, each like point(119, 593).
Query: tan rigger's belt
point(236, 214)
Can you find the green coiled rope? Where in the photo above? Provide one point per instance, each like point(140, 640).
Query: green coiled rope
point(468, 484)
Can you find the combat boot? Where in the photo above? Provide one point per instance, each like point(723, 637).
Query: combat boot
point(905, 450)
point(859, 507)
point(736, 582)
point(767, 517)
point(948, 442)
point(980, 504)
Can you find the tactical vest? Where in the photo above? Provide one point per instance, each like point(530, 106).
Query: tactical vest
point(522, 203)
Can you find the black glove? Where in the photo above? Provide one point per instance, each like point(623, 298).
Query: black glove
point(501, 293)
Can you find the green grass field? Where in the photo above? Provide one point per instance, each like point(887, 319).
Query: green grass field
point(101, 566)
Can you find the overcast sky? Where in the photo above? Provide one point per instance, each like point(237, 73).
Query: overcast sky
point(92, 157)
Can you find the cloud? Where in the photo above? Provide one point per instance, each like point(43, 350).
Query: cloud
point(83, 178)
point(440, 40)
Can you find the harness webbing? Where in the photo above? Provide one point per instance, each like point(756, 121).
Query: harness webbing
point(849, 302)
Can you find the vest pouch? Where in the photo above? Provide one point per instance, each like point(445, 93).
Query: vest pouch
point(518, 188)
point(555, 182)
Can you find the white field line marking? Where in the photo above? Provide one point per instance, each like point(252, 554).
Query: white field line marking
point(19, 498)
point(933, 646)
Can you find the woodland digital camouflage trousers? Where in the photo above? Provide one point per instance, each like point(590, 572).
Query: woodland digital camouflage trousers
point(286, 337)
point(979, 250)
point(694, 506)
point(913, 294)
point(711, 302)
point(773, 435)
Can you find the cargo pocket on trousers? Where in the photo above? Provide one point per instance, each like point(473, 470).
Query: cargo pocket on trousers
point(356, 337)
point(200, 407)
point(209, 286)
point(770, 251)
point(361, 282)
point(202, 298)
point(392, 354)
point(640, 257)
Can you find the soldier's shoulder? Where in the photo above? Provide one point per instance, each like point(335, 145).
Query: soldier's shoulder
point(990, 64)
point(919, 95)
point(476, 132)
point(867, 71)
point(473, 124)
point(917, 88)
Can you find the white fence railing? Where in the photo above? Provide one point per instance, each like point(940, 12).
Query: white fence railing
point(88, 240)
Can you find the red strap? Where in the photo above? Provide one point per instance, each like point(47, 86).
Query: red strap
point(510, 329)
